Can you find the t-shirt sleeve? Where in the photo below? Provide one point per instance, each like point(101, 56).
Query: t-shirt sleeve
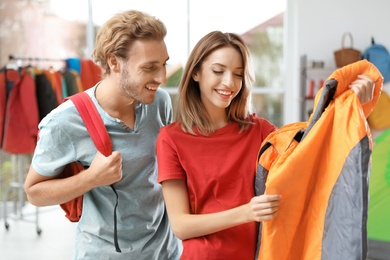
point(267, 128)
point(164, 107)
point(54, 148)
point(168, 161)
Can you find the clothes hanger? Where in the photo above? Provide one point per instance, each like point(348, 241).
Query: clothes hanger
point(13, 63)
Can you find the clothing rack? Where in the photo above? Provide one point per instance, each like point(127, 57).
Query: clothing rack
point(32, 60)
point(14, 206)
point(71, 69)
point(19, 162)
point(12, 57)
point(13, 195)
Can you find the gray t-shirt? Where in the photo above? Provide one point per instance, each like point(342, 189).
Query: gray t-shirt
point(143, 227)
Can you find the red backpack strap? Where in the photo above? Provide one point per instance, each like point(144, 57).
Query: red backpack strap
point(93, 122)
point(99, 135)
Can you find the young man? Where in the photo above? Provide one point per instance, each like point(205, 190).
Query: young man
point(131, 51)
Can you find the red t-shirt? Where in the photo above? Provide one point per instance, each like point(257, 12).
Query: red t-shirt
point(220, 171)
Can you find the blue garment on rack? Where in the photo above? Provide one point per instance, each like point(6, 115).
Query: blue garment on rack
point(74, 64)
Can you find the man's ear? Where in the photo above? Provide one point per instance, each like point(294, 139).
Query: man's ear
point(114, 63)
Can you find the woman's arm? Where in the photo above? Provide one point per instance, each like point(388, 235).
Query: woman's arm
point(186, 225)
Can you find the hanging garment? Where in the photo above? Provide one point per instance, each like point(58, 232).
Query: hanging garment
point(22, 117)
point(76, 76)
point(7, 79)
point(73, 64)
point(321, 169)
point(90, 73)
point(11, 76)
point(56, 84)
point(3, 103)
point(70, 83)
point(64, 86)
point(45, 94)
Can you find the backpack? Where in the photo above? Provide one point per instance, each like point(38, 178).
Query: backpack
point(321, 169)
point(99, 135)
point(379, 119)
point(380, 57)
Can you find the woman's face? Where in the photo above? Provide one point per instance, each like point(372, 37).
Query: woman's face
point(220, 78)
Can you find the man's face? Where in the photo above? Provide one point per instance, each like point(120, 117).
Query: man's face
point(144, 71)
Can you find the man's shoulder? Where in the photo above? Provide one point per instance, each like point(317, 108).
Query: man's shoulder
point(162, 94)
point(162, 100)
point(63, 114)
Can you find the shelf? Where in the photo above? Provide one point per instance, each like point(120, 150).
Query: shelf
point(312, 79)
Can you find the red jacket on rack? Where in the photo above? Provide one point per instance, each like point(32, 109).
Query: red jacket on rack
point(90, 73)
point(21, 117)
point(3, 103)
point(7, 79)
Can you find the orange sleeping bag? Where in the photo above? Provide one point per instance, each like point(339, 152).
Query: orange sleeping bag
point(321, 169)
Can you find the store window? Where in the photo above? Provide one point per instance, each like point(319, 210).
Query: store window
point(46, 32)
point(265, 42)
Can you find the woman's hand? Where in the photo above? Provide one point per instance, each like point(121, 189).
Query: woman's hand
point(263, 207)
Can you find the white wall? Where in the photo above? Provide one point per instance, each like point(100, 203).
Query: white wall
point(315, 28)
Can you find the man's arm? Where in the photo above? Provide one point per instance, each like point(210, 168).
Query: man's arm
point(45, 191)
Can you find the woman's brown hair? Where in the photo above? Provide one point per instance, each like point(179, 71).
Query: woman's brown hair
point(190, 111)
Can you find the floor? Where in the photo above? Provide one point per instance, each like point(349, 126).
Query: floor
point(21, 240)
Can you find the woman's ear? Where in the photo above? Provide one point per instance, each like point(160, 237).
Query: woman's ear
point(114, 63)
point(195, 76)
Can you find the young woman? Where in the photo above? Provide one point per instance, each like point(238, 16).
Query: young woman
point(207, 158)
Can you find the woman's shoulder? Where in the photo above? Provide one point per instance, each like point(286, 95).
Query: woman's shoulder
point(265, 126)
point(173, 128)
point(171, 133)
point(258, 120)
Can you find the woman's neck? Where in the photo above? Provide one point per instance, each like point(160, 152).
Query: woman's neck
point(218, 118)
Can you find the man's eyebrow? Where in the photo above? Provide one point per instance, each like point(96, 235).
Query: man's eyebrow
point(155, 61)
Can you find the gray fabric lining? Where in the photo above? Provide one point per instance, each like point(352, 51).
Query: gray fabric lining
point(345, 230)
